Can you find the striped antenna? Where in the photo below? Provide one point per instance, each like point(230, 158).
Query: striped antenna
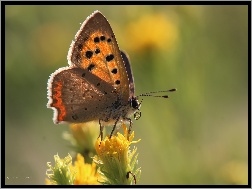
point(154, 92)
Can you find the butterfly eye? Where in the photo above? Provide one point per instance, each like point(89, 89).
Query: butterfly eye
point(134, 103)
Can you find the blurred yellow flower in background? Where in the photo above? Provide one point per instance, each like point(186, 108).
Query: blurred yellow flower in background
point(154, 31)
point(82, 137)
point(235, 172)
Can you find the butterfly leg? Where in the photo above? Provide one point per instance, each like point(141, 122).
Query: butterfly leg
point(114, 127)
point(130, 127)
point(134, 176)
point(101, 130)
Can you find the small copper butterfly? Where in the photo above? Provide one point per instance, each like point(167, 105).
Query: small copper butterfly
point(98, 84)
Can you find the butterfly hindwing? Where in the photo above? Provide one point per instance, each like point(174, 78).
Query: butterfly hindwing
point(77, 95)
point(126, 62)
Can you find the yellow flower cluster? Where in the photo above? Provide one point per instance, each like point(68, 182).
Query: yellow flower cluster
point(115, 158)
point(115, 161)
point(64, 173)
point(85, 173)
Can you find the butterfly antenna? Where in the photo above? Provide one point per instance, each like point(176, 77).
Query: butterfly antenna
point(154, 92)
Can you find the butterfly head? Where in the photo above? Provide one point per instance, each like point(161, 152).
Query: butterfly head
point(135, 107)
point(135, 104)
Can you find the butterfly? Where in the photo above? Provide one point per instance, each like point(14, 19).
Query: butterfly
point(98, 84)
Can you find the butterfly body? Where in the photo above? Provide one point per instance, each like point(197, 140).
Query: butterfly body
point(98, 84)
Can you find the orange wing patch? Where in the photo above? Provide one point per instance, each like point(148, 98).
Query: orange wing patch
point(99, 57)
point(57, 101)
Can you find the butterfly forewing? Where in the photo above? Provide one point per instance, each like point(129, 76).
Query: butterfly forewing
point(95, 49)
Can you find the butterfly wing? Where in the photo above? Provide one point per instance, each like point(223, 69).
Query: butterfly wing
point(126, 62)
point(95, 48)
point(76, 95)
point(96, 83)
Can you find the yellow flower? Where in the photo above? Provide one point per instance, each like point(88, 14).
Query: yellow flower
point(83, 137)
point(64, 173)
point(152, 31)
point(115, 160)
point(85, 173)
point(234, 172)
point(60, 173)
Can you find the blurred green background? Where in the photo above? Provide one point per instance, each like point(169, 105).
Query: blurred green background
point(198, 136)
